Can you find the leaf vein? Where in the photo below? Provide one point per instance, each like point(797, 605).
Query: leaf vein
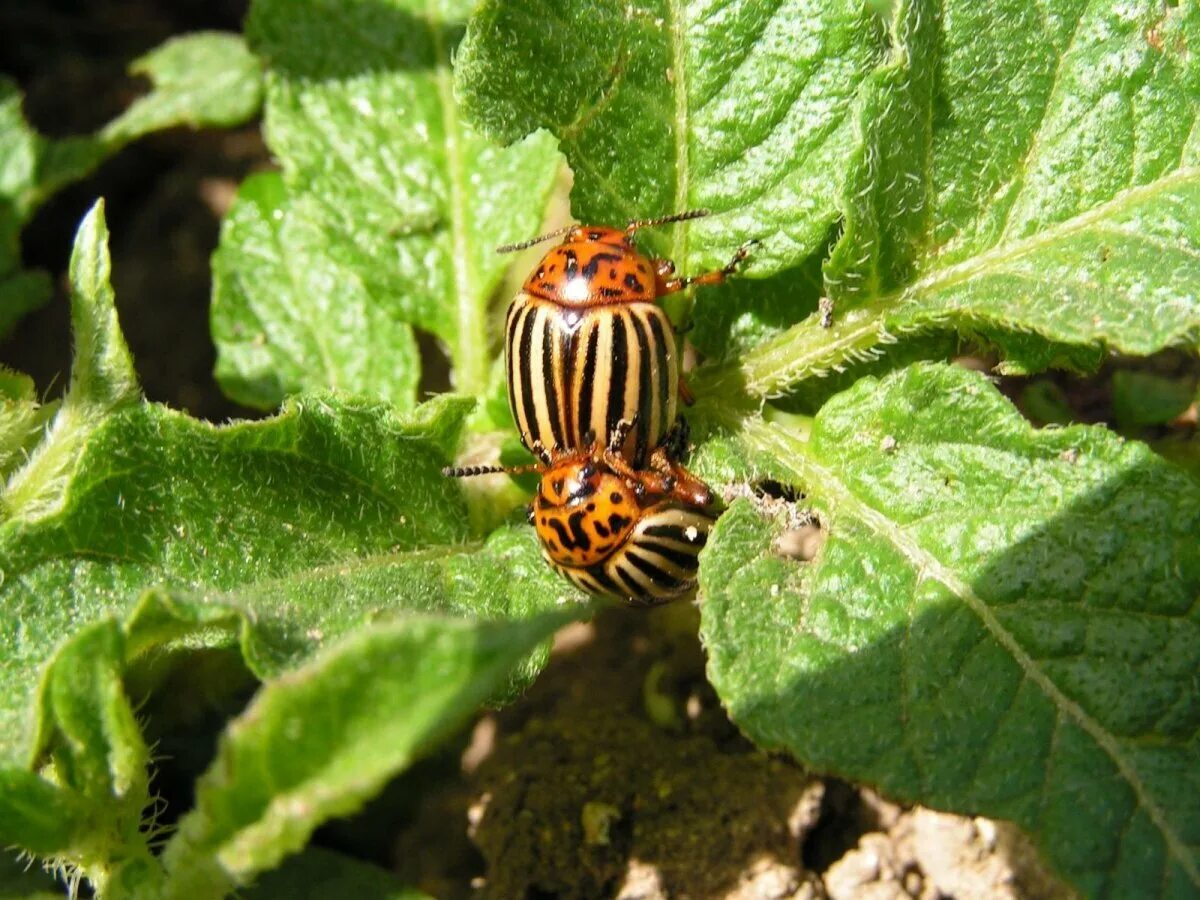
point(789, 449)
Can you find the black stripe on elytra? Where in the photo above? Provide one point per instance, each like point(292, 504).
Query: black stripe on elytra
point(647, 567)
point(646, 358)
point(619, 374)
point(593, 265)
point(676, 533)
point(587, 381)
point(605, 581)
point(663, 358)
point(627, 585)
point(548, 349)
point(681, 558)
point(528, 405)
point(567, 408)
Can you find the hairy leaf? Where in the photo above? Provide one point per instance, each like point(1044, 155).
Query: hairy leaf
point(389, 212)
point(286, 314)
point(741, 107)
point(1000, 621)
point(102, 378)
point(22, 419)
point(310, 524)
point(1028, 174)
point(320, 741)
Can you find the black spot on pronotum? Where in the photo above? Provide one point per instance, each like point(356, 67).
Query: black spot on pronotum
point(575, 523)
point(593, 265)
point(591, 507)
point(617, 524)
point(601, 530)
point(615, 498)
point(612, 273)
point(631, 282)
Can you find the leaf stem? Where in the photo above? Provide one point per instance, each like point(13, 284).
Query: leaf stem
point(805, 350)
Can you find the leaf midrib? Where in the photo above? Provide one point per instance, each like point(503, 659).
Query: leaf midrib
point(782, 361)
point(470, 348)
point(795, 455)
point(676, 27)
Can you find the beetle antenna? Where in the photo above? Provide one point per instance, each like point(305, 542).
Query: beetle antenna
point(635, 224)
point(472, 471)
point(524, 245)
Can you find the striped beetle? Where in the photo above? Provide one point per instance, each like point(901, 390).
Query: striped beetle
point(614, 531)
point(586, 345)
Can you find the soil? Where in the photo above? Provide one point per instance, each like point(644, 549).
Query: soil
point(618, 775)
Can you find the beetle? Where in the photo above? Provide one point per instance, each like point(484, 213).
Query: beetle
point(613, 530)
point(586, 344)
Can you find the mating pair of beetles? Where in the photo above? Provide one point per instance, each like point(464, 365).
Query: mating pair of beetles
point(593, 384)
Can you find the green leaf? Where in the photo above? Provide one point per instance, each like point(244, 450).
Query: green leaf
point(315, 520)
point(322, 740)
point(318, 874)
point(310, 524)
point(287, 315)
point(1001, 621)
point(39, 816)
point(199, 80)
point(202, 80)
point(1046, 199)
point(1143, 398)
point(393, 205)
point(22, 419)
point(664, 106)
point(102, 378)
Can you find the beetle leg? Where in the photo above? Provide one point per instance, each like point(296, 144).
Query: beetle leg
point(685, 393)
point(667, 285)
point(539, 450)
point(675, 444)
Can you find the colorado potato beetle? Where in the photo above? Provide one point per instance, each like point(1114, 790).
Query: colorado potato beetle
point(587, 346)
point(612, 530)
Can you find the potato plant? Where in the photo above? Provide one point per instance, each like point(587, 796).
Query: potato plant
point(999, 619)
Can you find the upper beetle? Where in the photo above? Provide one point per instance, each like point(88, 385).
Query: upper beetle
point(586, 344)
